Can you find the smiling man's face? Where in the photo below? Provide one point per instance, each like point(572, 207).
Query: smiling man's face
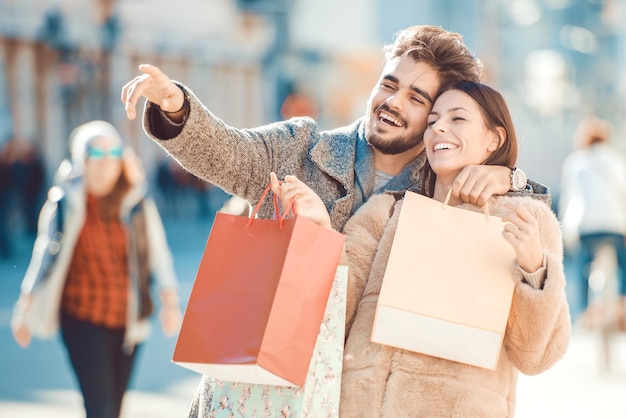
point(399, 105)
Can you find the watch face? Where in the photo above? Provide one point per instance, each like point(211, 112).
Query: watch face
point(519, 180)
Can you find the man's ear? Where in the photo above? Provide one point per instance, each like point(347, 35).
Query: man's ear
point(497, 140)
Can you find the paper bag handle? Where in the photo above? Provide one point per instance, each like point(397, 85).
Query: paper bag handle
point(277, 214)
point(445, 203)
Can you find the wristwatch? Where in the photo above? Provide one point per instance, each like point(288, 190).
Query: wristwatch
point(518, 179)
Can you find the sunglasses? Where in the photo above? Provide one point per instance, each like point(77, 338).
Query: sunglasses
point(99, 153)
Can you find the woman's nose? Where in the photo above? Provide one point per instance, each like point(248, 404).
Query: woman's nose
point(439, 126)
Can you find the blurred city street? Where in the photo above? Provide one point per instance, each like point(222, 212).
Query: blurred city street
point(37, 382)
point(252, 63)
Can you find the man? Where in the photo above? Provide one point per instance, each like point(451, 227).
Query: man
point(381, 151)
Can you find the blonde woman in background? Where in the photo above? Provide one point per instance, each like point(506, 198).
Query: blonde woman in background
point(100, 248)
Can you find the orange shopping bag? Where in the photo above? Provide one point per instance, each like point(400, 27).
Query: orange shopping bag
point(258, 299)
point(448, 285)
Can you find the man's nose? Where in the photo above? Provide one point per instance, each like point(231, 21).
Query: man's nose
point(394, 101)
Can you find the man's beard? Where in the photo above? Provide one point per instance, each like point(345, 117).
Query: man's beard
point(396, 145)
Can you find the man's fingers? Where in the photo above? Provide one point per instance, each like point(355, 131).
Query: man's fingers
point(128, 87)
point(133, 90)
point(150, 69)
point(477, 183)
point(480, 197)
point(473, 190)
point(130, 103)
point(130, 95)
point(465, 189)
point(124, 92)
point(125, 96)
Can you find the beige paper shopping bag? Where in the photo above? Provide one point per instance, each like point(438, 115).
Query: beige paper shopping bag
point(448, 285)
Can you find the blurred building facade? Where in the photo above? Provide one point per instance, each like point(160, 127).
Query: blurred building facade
point(65, 61)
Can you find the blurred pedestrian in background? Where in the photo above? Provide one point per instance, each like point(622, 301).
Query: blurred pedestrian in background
point(22, 178)
point(99, 249)
point(298, 103)
point(592, 204)
point(5, 206)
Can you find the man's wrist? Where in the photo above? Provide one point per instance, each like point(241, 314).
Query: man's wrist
point(178, 116)
point(183, 107)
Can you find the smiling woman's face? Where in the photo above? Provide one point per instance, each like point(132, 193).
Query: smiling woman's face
point(456, 135)
point(103, 165)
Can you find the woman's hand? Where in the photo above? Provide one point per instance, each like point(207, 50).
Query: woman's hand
point(305, 201)
point(522, 232)
point(170, 314)
point(21, 333)
point(22, 336)
point(171, 317)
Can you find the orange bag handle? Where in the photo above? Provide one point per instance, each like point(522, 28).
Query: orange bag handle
point(277, 214)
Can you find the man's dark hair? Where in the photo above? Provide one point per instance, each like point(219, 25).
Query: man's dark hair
point(439, 48)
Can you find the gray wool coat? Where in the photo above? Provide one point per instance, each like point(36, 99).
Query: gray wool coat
point(338, 164)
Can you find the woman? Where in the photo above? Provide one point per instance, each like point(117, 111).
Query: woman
point(592, 209)
point(100, 247)
point(469, 124)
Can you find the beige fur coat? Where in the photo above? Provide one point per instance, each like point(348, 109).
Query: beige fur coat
point(382, 381)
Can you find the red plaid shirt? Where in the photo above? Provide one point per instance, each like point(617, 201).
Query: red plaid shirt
point(97, 285)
